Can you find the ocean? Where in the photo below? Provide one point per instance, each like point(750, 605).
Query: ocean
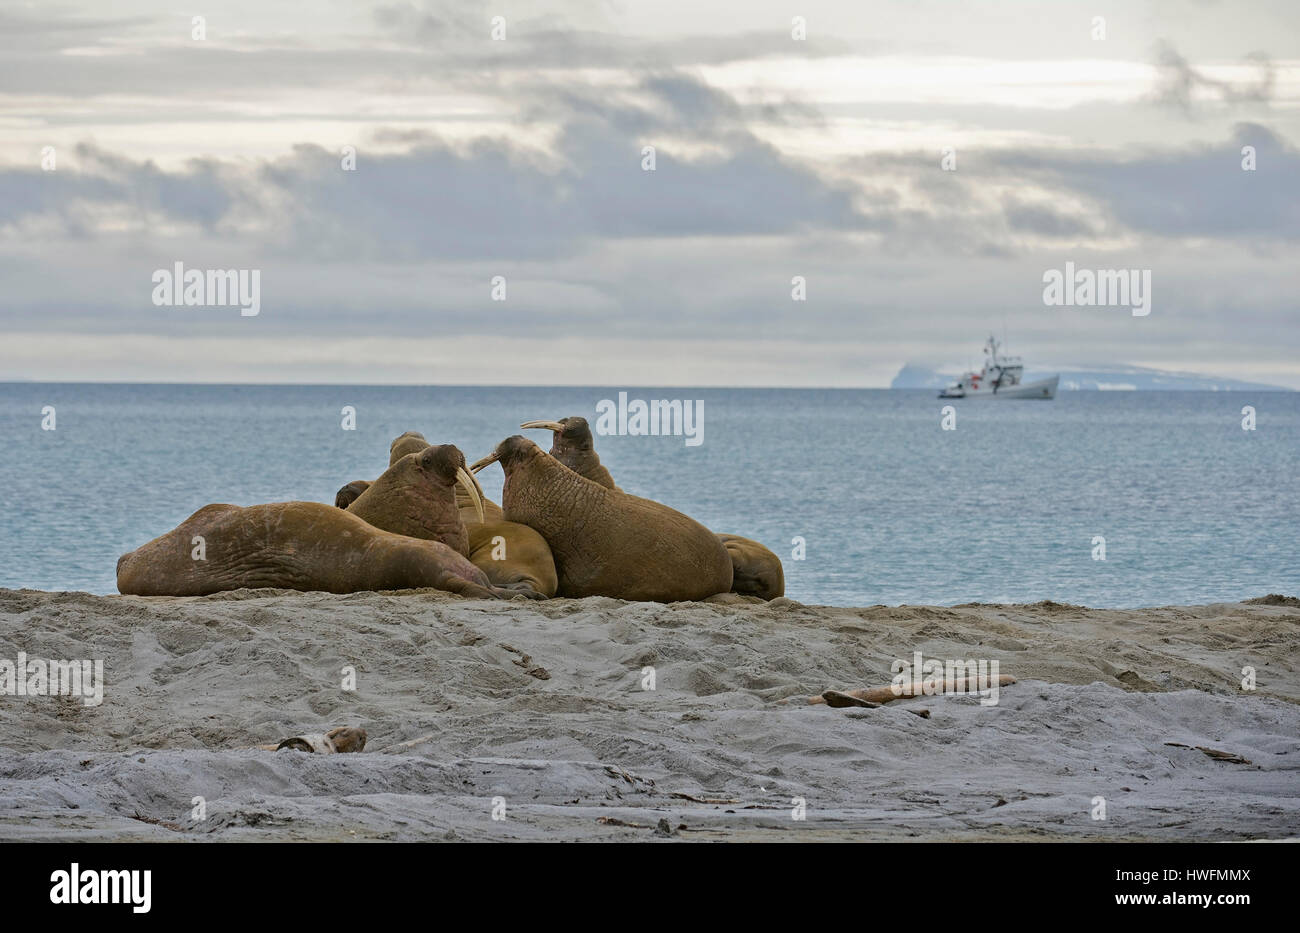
point(883, 505)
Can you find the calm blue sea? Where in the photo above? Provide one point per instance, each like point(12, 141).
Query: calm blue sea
point(892, 508)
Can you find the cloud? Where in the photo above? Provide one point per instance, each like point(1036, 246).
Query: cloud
point(1177, 82)
point(490, 199)
point(1198, 191)
point(549, 41)
point(50, 31)
point(110, 191)
point(1047, 220)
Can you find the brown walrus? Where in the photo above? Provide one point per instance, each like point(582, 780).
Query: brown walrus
point(755, 570)
point(572, 445)
point(413, 442)
point(348, 494)
point(295, 546)
point(410, 500)
point(416, 496)
point(606, 542)
point(511, 554)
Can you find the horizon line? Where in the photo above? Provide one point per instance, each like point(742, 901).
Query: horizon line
point(1262, 387)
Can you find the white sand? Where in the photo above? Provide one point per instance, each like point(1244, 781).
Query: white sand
point(568, 736)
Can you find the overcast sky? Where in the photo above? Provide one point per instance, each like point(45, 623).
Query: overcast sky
point(522, 158)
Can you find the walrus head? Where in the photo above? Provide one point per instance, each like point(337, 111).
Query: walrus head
point(512, 453)
point(535, 481)
point(444, 464)
point(416, 496)
point(412, 442)
point(571, 433)
point(350, 493)
point(572, 445)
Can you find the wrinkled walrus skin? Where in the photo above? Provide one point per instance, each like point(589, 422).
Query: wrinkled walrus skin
point(606, 542)
point(755, 570)
point(295, 546)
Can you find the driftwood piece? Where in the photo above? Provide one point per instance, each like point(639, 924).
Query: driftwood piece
point(1216, 754)
point(411, 743)
point(875, 696)
point(693, 799)
point(838, 699)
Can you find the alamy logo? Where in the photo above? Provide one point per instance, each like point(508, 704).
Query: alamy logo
point(37, 677)
point(87, 886)
point(209, 288)
point(656, 417)
point(1119, 288)
point(935, 677)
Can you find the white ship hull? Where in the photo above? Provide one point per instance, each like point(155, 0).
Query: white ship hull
point(1042, 389)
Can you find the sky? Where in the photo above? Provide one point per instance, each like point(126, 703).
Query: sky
point(920, 165)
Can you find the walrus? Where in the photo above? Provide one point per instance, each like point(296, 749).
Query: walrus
point(407, 443)
point(413, 442)
point(512, 554)
point(295, 546)
point(572, 445)
point(755, 570)
point(348, 494)
point(409, 500)
point(604, 541)
point(415, 496)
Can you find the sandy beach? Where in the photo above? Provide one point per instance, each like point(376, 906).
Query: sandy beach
point(542, 706)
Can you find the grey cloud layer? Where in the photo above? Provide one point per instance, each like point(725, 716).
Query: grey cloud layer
point(897, 252)
point(494, 200)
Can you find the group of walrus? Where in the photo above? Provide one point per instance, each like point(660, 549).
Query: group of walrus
point(563, 529)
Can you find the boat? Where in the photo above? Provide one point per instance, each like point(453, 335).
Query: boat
point(1000, 377)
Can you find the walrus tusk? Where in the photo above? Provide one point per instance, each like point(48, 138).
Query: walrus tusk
point(548, 425)
point(480, 464)
point(471, 490)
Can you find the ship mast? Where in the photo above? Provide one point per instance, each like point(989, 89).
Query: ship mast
point(992, 350)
